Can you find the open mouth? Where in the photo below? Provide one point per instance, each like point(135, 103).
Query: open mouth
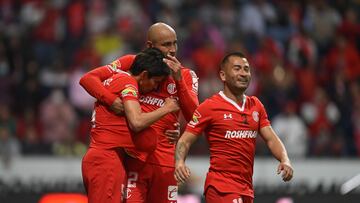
point(243, 81)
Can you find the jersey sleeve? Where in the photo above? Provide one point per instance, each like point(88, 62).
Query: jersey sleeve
point(124, 87)
point(201, 118)
point(124, 63)
point(263, 117)
point(92, 81)
point(130, 92)
point(187, 89)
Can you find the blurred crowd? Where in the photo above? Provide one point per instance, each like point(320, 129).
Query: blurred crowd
point(305, 58)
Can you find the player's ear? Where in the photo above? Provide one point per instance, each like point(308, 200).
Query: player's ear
point(222, 75)
point(144, 75)
point(149, 44)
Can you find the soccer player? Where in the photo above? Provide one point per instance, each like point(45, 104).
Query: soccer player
point(103, 170)
point(231, 121)
point(151, 176)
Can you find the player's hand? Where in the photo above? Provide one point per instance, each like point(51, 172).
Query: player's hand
point(286, 171)
point(173, 135)
point(174, 65)
point(182, 172)
point(171, 104)
point(118, 107)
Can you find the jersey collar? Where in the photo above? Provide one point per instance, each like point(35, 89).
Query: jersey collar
point(221, 93)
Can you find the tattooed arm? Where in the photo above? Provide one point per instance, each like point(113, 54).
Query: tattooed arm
point(182, 172)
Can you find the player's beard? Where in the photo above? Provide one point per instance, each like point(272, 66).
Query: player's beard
point(238, 86)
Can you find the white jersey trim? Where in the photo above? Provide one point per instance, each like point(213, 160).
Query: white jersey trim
point(221, 93)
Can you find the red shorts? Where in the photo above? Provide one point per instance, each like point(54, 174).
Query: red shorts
point(214, 196)
point(104, 175)
point(149, 183)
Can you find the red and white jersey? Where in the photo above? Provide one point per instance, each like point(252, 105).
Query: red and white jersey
point(231, 130)
point(110, 130)
point(185, 90)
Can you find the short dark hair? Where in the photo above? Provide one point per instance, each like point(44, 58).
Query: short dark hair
point(151, 60)
point(227, 56)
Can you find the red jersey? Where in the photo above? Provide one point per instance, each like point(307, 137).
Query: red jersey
point(110, 130)
point(185, 90)
point(231, 132)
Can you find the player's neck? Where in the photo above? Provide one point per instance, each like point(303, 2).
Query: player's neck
point(136, 77)
point(237, 96)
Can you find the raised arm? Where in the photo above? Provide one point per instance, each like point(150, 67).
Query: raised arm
point(278, 150)
point(186, 85)
point(187, 88)
point(139, 120)
point(182, 172)
point(92, 83)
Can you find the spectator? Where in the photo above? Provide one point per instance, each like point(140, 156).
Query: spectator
point(321, 116)
point(321, 21)
point(291, 129)
point(9, 146)
point(57, 117)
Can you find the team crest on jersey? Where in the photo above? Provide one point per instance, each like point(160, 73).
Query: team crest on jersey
point(255, 116)
point(115, 65)
point(171, 88)
point(129, 91)
point(195, 118)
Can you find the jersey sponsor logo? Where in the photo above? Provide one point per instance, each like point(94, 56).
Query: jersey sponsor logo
point(129, 91)
point(172, 192)
point(115, 66)
point(195, 82)
point(171, 88)
point(240, 134)
point(152, 100)
point(255, 116)
point(195, 119)
point(228, 116)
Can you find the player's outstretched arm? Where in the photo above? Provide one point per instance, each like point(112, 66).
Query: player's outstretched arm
point(278, 150)
point(139, 120)
point(182, 172)
point(92, 83)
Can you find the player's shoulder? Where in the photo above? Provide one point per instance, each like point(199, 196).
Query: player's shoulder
point(209, 106)
point(211, 102)
point(253, 100)
point(123, 76)
point(122, 63)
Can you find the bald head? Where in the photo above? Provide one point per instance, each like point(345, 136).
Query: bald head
point(158, 29)
point(163, 37)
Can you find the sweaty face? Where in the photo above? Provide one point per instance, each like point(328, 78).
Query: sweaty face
point(236, 73)
point(166, 41)
point(147, 84)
